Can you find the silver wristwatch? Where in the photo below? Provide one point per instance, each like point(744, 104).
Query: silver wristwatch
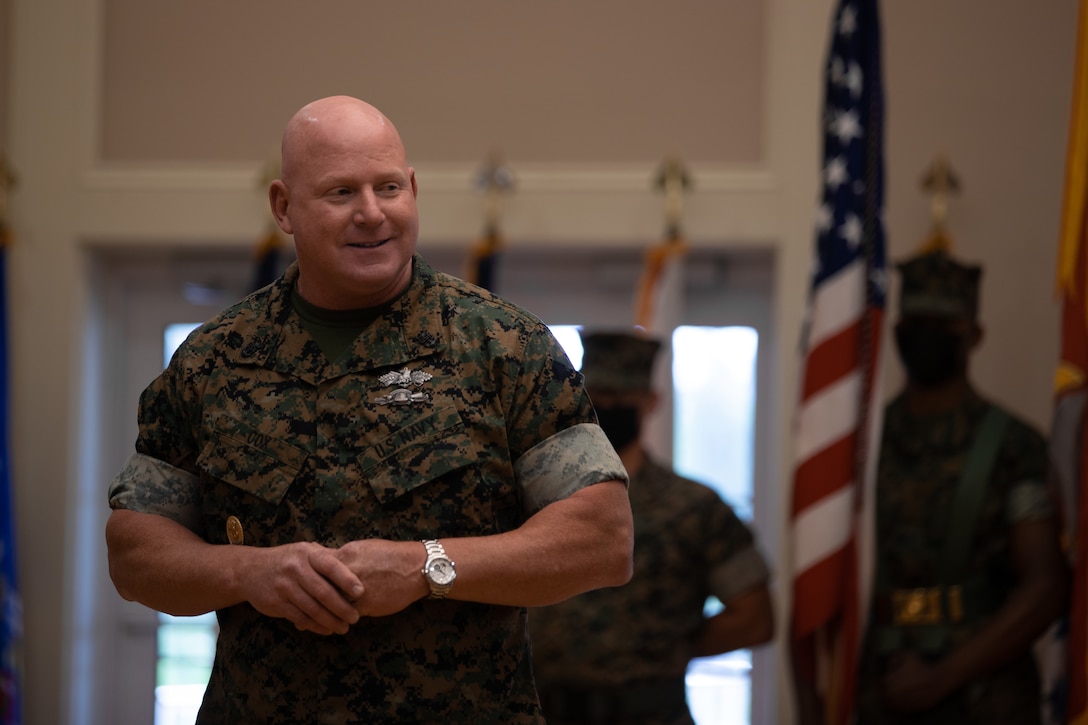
point(438, 570)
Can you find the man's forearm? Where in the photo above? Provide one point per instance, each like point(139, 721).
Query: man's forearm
point(580, 543)
point(161, 564)
point(748, 620)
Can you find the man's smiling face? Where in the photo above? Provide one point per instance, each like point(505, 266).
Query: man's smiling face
point(349, 198)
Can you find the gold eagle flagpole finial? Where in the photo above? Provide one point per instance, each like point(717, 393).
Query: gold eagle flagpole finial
point(941, 183)
point(674, 181)
point(496, 180)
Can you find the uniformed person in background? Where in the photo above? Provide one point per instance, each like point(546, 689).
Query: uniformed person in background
point(970, 570)
point(619, 655)
point(368, 468)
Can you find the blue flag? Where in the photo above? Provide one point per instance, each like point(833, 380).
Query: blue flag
point(11, 608)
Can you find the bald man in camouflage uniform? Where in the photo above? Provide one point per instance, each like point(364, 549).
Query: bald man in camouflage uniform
point(969, 566)
point(368, 469)
point(619, 655)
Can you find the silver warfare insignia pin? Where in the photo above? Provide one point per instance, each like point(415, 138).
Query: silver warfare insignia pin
point(405, 377)
point(402, 395)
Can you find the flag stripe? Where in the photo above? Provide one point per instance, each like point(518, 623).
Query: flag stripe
point(824, 473)
point(822, 530)
point(837, 303)
point(829, 415)
point(812, 605)
point(832, 360)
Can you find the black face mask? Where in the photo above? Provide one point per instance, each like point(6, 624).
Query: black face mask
point(931, 353)
point(620, 424)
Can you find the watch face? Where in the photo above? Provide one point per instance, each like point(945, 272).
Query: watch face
point(441, 571)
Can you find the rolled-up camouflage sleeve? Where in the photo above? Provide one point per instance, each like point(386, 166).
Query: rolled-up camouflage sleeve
point(1029, 501)
point(148, 485)
point(563, 463)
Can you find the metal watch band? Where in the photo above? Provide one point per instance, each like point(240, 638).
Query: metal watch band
point(435, 550)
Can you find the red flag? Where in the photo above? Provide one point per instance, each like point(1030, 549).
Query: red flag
point(1068, 432)
point(839, 412)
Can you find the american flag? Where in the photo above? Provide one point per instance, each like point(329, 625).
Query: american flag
point(838, 418)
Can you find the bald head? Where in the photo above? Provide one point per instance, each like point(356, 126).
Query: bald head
point(318, 120)
point(348, 197)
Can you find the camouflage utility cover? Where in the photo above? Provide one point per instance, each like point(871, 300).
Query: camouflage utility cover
point(436, 423)
point(936, 284)
point(921, 460)
point(618, 360)
point(689, 545)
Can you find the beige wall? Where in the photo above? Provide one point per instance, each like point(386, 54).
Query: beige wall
point(147, 124)
point(989, 83)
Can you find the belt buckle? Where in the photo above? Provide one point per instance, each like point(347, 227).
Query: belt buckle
point(955, 603)
point(914, 607)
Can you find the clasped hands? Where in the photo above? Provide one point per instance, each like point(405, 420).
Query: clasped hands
point(325, 590)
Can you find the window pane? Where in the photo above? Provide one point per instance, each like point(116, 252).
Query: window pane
point(571, 342)
point(714, 378)
point(714, 408)
point(173, 337)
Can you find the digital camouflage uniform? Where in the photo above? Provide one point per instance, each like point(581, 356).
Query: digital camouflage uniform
point(689, 545)
point(619, 655)
point(920, 464)
point(921, 461)
point(454, 414)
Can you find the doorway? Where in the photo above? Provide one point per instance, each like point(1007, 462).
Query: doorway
point(144, 293)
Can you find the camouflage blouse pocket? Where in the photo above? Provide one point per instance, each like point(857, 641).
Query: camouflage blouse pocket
point(419, 451)
point(252, 461)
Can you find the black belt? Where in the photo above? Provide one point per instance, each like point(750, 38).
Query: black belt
point(610, 704)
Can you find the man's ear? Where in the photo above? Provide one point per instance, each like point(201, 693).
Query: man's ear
point(277, 199)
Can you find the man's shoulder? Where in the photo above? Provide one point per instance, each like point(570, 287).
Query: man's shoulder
point(1016, 426)
point(1019, 430)
point(975, 407)
point(232, 328)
